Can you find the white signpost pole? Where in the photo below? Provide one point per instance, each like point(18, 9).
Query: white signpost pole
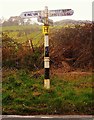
point(46, 51)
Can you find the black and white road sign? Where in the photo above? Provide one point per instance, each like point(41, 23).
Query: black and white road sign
point(43, 17)
point(51, 13)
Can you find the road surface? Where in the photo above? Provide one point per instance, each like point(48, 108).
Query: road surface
point(51, 117)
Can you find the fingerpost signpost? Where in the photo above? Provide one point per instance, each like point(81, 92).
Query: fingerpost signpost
point(42, 16)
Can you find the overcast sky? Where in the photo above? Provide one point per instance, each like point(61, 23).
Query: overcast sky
point(82, 8)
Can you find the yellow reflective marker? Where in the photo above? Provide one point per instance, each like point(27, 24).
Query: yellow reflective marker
point(45, 29)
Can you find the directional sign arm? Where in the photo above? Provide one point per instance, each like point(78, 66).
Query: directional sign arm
point(61, 12)
point(30, 14)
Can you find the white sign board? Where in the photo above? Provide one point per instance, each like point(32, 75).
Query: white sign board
point(30, 14)
point(61, 12)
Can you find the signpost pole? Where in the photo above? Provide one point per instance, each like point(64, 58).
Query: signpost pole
point(44, 19)
point(46, 51)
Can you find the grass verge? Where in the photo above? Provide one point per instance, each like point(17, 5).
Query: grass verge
point(24, 94)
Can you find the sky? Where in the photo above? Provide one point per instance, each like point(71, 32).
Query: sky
point(82, 8)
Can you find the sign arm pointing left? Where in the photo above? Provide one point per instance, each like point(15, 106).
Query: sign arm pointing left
point(30, 14)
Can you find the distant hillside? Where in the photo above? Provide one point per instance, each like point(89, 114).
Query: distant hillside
point(71, 22)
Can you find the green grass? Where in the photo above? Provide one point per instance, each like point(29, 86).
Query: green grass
point(21, 34)
point(24, 94)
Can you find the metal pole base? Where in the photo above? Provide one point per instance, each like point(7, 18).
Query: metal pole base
point(47, 83)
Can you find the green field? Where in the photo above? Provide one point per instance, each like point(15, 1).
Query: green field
point(21, 34)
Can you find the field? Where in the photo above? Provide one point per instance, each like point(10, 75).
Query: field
point(71, 69)
point(21, 34)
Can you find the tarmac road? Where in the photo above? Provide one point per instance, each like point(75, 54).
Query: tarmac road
point(66, 117)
